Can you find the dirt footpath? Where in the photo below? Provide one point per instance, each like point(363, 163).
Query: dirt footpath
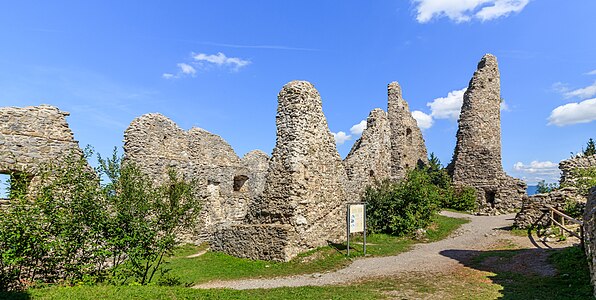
point(482, 233)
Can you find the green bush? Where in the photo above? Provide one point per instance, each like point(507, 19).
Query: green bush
point(462, 198)
point(73, 229)
point(400, 208)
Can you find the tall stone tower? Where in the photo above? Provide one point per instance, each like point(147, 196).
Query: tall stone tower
point(477, 157)
point(407, 144)
point(303, 202)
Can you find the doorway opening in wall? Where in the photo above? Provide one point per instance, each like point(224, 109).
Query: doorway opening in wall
point(4, 186)
point(490, 198)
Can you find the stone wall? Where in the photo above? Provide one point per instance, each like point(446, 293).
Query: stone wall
point(257, 164)
point(32, 136)
point(477, 157)
point(578, 162)
point(303, 202)
point(155, 143)
point(369, 159)
point(533, 209)
point(589, 229)
point(407, 144)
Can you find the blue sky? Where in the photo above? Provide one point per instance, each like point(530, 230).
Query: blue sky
point(219, 65)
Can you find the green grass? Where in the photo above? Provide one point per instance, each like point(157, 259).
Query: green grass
point(220, 266)
point(571, 282)
point(155, 292)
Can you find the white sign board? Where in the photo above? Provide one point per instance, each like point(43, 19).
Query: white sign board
point(356, 217)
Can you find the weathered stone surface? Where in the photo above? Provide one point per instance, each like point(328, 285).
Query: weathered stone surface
point(257, 164)
point(407, 144)
point(370, 158)
point(305, 185)
point(477, 157)
point(578, 162)
point(532, 206)
point(155, 143)
point(589, 228)
point(266, 242)
point(33, 136)
point(533, 210)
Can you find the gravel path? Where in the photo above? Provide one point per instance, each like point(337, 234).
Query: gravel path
point(479, 234)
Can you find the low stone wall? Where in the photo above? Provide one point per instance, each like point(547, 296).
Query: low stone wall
point(264, 241)
point(590, 235)
point(532, 211)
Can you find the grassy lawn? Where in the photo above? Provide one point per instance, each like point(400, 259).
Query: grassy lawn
point(155, 292)
point(473, 280)
point(572, 282)
point(219, 266)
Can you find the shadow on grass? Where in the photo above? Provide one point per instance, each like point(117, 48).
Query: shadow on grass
point(532, 273)
point(15, 295)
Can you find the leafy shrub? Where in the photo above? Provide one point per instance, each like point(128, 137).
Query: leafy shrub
point(463, 198)
point(460, 198)
point(402, 207)
point(73, 229)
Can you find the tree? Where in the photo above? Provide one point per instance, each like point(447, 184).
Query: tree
point(590, 148)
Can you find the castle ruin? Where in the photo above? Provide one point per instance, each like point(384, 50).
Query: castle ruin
point(273, 208)
point(31, 137)
point(477, 157)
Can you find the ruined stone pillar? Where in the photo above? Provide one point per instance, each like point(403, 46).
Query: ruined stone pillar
point(303, 202)
point(477, 157)
point(407, 144)
point(369, 159)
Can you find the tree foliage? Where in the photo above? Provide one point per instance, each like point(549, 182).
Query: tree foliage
point(544, 187)
point(75, 229)
point(590, 148)
point(399, 208)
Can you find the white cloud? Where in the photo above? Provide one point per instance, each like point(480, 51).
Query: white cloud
point(465, 10)
point(593, 72)
point(168, 75)
point(221, 59)
point(341, 137)
point(573, 113)
point(447, 107)
point(582, 93)
point(358, 128)
point(536, 167)
point(501, 8)
point(537, 171)
point(423, 120)
point(187, 69)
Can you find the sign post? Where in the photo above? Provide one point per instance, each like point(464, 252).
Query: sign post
point(356, 221)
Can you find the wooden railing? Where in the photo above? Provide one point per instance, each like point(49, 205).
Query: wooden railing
point(553, 211)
